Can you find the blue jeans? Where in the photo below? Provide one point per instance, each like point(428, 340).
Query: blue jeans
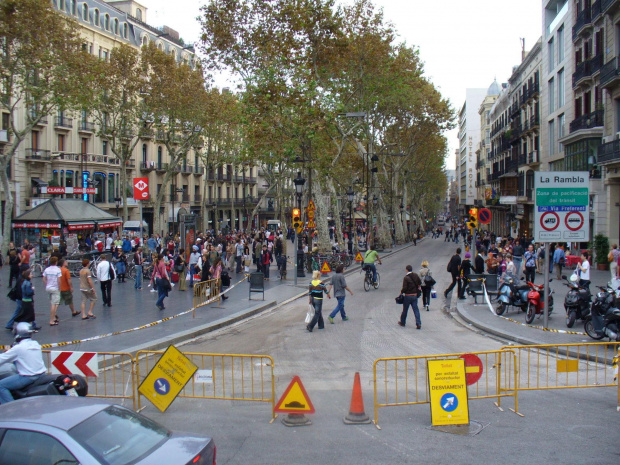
point(339, 308)
point(161, 292)
point(192, 271)
point(138, 284)
point(318, 315)
point(12, 383)
point(9, 325)
point(413, 301)
point(373, 267)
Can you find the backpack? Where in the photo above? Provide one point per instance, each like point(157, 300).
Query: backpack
point(112, 272)
point(225, 278)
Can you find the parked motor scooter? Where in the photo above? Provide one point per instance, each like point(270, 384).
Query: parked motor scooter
point(577, 301)
point(512, 293)
point(48, 385)
point(535, 302)
point(604, 319)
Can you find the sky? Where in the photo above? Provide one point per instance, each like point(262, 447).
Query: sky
point(463, 43)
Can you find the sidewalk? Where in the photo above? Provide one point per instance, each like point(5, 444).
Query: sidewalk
point(132, 309)
point(511, 325)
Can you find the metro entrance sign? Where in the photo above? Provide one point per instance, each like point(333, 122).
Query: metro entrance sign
point(561, 206)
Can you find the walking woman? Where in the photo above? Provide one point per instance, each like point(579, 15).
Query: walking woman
point(317, 288)
point(181, 269)
point(426, 289)
point(159, 274)
point(613, 257)
point(216, 273)
point(27, 312)
point(13, 267)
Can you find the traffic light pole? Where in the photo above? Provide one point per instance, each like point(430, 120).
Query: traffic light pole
point(295, 242)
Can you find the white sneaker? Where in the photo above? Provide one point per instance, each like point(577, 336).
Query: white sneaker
point(153, 290)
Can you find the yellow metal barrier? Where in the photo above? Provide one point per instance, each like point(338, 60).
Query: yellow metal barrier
point(207, 292)
point(404, 380)
point(232, 376)
point(115, 377)
point(565, 366)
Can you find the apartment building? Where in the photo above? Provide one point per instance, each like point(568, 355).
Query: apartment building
point(64, 150)
point(469, 139)
point(484, 147)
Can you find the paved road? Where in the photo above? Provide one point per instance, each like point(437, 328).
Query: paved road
point(572, 426)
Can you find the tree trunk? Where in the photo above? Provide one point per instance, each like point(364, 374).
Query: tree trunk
point(320, 220)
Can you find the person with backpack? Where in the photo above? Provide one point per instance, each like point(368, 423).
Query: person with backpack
point(410, 292)
point(427, 284)
point(454, 269)
point(265, 260)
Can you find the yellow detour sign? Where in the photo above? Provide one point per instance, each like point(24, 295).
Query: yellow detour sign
point(325, 268)
point(311, 224)
point(311, 206)
point(446, 380)
point(359, 258)
point(167, 378)
point(295, 399)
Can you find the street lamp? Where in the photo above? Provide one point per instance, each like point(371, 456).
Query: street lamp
point(174, 194)
point(118, 203)
point(299, 191)
point(214, 205)
point(258, 209)
point(350, 197)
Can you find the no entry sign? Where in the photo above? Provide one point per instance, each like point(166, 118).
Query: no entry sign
point(561, 206)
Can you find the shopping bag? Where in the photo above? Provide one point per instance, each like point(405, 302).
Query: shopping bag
point(175, 277)
point(188, 276)
point(433, 293)
point(310, 314)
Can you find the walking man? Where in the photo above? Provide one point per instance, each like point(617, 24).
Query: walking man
point(517, 257)
point(339, 285)
point(66, 288)
point(51, 279)
point(411, 290)
point(454, 266)
point(105, 275)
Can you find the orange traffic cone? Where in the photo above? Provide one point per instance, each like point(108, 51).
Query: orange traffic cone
point(356, 415)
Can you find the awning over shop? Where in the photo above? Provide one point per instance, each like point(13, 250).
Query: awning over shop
point(81, 225)
point(108, 225)
point(39, 182)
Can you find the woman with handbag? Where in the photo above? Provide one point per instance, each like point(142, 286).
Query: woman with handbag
point(179, 267)
point(162, 281)
point(427, 285)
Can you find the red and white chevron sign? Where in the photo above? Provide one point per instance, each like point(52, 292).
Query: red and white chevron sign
point(74, 363)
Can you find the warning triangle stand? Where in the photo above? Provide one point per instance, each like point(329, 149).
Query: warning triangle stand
point(325, 268)
point(295, 402)
point(359, 258)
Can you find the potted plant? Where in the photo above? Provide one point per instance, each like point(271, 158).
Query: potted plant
point(601, 251)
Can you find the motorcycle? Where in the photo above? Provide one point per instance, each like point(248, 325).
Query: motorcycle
point(48, 385)
point(577, 301)
point(512, 293)
point(535, 302)
point(604, 319)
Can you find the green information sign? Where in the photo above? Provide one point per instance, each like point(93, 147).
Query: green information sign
point(548, 197)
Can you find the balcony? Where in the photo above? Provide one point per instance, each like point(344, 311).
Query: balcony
point(197, 198)
point(41, 122)
point(160, 136)
point(146, 134)
point(4, 136)
point(86, 126)
point(147, 166)
point(583, 22)
point(610, 74)
point(596, 10)
point(514, 110)
point(223, 177)
point(186, 170)
point(589, 121)
point(161, 167)
point(37, 155)
point(89, 158)
point(522, 159)
point(199, 170)
point(534, 122)
point(609, 7)
point(250, 180)
point(586, 69)
point(533, 158)
point(609, 153)
point(60, 122)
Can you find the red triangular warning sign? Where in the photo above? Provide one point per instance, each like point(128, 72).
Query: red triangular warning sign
point(358, 257)
point(325, 268)
point(295, 399)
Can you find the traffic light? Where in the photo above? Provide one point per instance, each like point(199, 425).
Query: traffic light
point(297, 219)
point(473, 218)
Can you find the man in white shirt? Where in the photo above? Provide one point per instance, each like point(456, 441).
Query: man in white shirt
point(105, 275)
point(584, 271)
point(109, 241)
point(51, 279)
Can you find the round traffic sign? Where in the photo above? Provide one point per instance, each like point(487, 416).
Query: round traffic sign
point(449, 402)
point(162, 386)
point(473, 368)
point(550, 221)
point(484, 216)
point(573, 220)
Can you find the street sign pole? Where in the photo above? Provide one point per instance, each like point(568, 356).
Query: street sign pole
point(546, 263)
point(295, 248)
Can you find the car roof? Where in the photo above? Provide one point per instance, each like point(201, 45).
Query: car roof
point(63, 412)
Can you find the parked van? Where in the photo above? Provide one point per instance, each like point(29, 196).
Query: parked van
point(133, 228)
point(273, 225)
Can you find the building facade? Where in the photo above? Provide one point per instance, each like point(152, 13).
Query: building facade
point(63, 150)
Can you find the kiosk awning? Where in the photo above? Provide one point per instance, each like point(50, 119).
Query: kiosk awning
point(75, 226)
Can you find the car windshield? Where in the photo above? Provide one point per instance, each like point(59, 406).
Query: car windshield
point(117, 436)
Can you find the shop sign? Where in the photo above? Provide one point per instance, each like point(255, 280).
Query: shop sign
point(36, 225)
point(69, 190)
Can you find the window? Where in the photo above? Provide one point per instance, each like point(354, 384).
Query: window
point(144, 154)
point(99, 183)
point(74, 7)
point(561, 99)
point(111, 188)
point(145, 40)
point(561, 123)
point(139, 14)
point(551, 95)
point(104, 147)
point(38, 447)
point(159, 156)
point(61, 5)
point(551, 54)
point(560, 44)
point(125, 30)
point(106, 25)
point(96, 18)
point(85, 12)
point(115, 26)
point(61, 142)
point(551, 137)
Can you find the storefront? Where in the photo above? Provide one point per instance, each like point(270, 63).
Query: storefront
point(68, 220)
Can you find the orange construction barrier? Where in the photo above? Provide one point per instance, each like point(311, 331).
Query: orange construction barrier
point(357, 415)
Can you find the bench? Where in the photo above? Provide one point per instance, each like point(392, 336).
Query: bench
point(257, 284)
point(491, 282)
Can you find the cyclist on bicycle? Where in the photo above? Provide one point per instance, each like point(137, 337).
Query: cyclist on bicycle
point(370, 257)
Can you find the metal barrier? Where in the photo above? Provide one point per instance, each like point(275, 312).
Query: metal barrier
point(565, 366)
point(115, 376)
point(206, 292)
point(405, 379)
point(233, 376)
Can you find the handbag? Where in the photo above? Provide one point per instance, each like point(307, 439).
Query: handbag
point(400, 299)
point(165, 283)
point(310, 314)
point(13, 293)
point(428, 280)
